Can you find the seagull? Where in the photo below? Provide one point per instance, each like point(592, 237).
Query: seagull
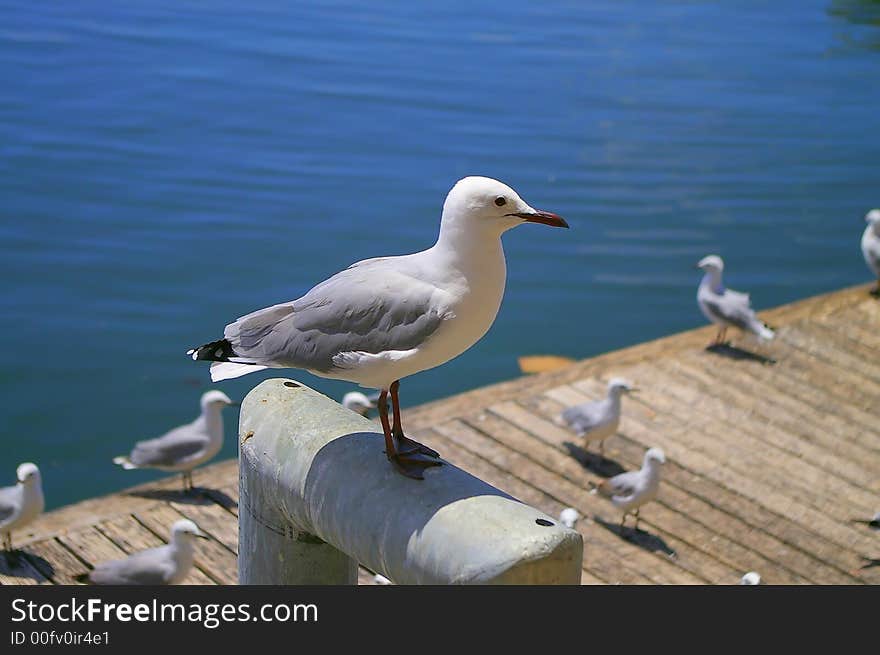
point(21, 503)
point(597, 420)
point(569, 517)
point(726, 307)
point(163, 565)
point(750, 578)
point(873, 522)
point(185, 447)
point(871, 245)
point(629, 491)
point(383, 319)
point(357, 402)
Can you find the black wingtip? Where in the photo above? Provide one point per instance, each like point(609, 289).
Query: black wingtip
point(216, 351)
point(82, 578)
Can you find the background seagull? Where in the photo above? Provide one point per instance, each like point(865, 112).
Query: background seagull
point(871, 245)
point(21, 503)
point(185, 447)
point(358, 402)
point(629, 491)
point(163, 565)
point(384, 319)
point(597, 420)
point(726, 307)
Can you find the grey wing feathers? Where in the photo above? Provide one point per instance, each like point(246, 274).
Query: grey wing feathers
point(623, 484)
point(145, 568)
point(733, 307)
point(169, 449)
point(369, 307)
point(583, 417)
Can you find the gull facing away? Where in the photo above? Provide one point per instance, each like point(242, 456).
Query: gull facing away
point(750, 578)
point(726, 307)
point(381, 320)
point(871, 245)
point(163, 565)
point(629, 491)
point(597, 420)
point(358, 402)
point(185, 447)
point(21, 503)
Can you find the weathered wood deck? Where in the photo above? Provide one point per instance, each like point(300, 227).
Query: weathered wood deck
point(767, 463)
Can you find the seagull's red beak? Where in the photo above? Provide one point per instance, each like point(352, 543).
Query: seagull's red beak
point(542, 217)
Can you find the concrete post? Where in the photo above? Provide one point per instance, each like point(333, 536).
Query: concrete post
point(317, 495)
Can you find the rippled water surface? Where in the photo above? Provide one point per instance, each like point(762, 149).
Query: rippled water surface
point(168, 166)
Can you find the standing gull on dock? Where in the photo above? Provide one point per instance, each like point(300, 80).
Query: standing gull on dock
point(629, 491)
point(21, 503)
point(871, 245)
point(726, 307)
point(384, 319)
point(163, 565)
point(185, 447)
point(597, 420)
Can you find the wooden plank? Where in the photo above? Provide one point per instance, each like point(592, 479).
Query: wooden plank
point(91, 546)
point(213, 519)
point(660, 568)
point(55, 561)
point(662, 514)
point(132, 537)
point(729, 514)
point(20, 571)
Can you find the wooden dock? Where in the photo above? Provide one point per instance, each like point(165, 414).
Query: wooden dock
point(767, 462)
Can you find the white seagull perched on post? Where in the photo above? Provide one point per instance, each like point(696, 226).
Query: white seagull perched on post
point(21, 503)
point(629, 491)
point(185, 447)
point(871, 245)
point(381, 320)
point(726, 307)
point(163, 565)
point(597, 420)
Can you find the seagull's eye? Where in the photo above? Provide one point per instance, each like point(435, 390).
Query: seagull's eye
point(500, 201)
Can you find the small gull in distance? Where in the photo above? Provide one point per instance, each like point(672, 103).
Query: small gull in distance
point(597, 420)
point(384, 319)
point(629, 491)
point(21, 503)
point(185, 447)
point(569, 517)
point(358, 402)
point(726, 307)
point(164, 565)
point(750, 578)
point(871, 245)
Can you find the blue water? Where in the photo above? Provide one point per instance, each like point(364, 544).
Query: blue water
point(168, 166)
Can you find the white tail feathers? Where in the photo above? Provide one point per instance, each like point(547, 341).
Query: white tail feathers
point(229, 370)
point(124, 462)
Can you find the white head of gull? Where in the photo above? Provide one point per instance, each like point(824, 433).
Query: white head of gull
point(384, 319)
point(357, 402)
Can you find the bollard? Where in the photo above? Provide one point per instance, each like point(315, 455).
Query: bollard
point(318, 495)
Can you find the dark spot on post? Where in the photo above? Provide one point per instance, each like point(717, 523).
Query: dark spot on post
point(544, 522)
point(290, 384)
